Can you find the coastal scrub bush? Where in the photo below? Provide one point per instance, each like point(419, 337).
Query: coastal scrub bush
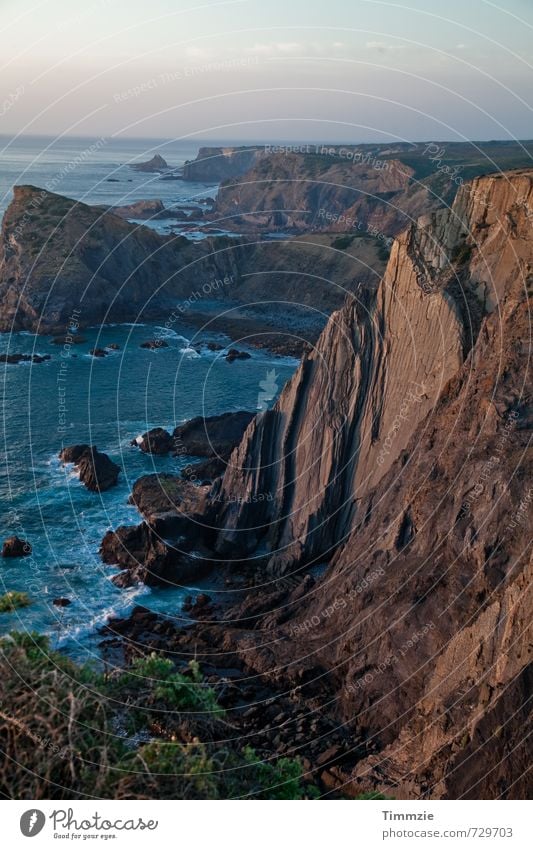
point(13, 599)
point(64, 732)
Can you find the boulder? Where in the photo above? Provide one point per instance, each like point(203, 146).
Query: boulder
point(61, 602)
point(72, 453)
point(154, 441)
point(212, 435)
point(154, 344)
point(233, 354)
point(98, 352)
point(97, 471)
point(15, 547)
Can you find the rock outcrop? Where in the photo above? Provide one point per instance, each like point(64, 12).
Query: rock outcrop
point(58, 256)
point(154, 165)
point(15, 547)
point(208, 436)
point(97, 472)
point(214, 164)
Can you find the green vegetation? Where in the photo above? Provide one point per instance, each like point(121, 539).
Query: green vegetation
point(67, 731)
point(12, 600)
point(342, 242)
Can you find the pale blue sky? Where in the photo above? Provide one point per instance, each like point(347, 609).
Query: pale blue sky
point(347, 70)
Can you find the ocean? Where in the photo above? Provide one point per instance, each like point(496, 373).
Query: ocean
point(97, 171)
point(106, 402)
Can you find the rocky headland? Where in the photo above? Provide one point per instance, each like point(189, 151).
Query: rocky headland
point(375, 522)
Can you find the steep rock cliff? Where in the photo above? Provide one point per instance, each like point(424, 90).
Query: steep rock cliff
point(378, 369)
point(417, 637)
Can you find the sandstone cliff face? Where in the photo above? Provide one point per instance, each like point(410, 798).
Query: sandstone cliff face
point(421, 625)
point(322, 193)
point(378, 369)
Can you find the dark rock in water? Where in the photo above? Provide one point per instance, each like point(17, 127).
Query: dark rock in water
point(153, 165)
point(148, 559)
point(214, 346)
point(158, 495)
point(97, 471)
point(214, 435)
point(113, 346)
point(72, 453)
point(154, 441)
point(154, 344)
point(15, 547)
point(112, 180)
point(233, 354)
point(98, 352)
point(61, 602)
point(14, 359)
point(68, 340)
point(206, 470)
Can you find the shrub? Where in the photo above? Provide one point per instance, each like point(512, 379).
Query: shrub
point(62, 733)
point(13, 599)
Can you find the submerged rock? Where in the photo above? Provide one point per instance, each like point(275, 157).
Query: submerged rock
point(154, 344)
point(16, 547)
point(15, 359)
point(233, 354)
point(61, 602)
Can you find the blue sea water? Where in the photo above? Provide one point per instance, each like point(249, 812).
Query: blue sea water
point(97, 171)
point(108, 402)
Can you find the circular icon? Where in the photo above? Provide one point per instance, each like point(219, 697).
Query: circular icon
point(32, 822)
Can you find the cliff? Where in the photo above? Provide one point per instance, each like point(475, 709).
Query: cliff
point(57, 255)
point(399, 454)
point(214, 164)
point(311, 191)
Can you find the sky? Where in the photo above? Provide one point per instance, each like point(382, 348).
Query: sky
point(282, 70)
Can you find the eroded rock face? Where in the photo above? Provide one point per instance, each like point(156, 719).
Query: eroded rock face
point(52, 249)
point(305, 468)
point(287, 190)
point(422, 621)
point(97, 472)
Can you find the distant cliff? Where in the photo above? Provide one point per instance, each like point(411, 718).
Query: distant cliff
point(321, 192)
point(214, 164)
